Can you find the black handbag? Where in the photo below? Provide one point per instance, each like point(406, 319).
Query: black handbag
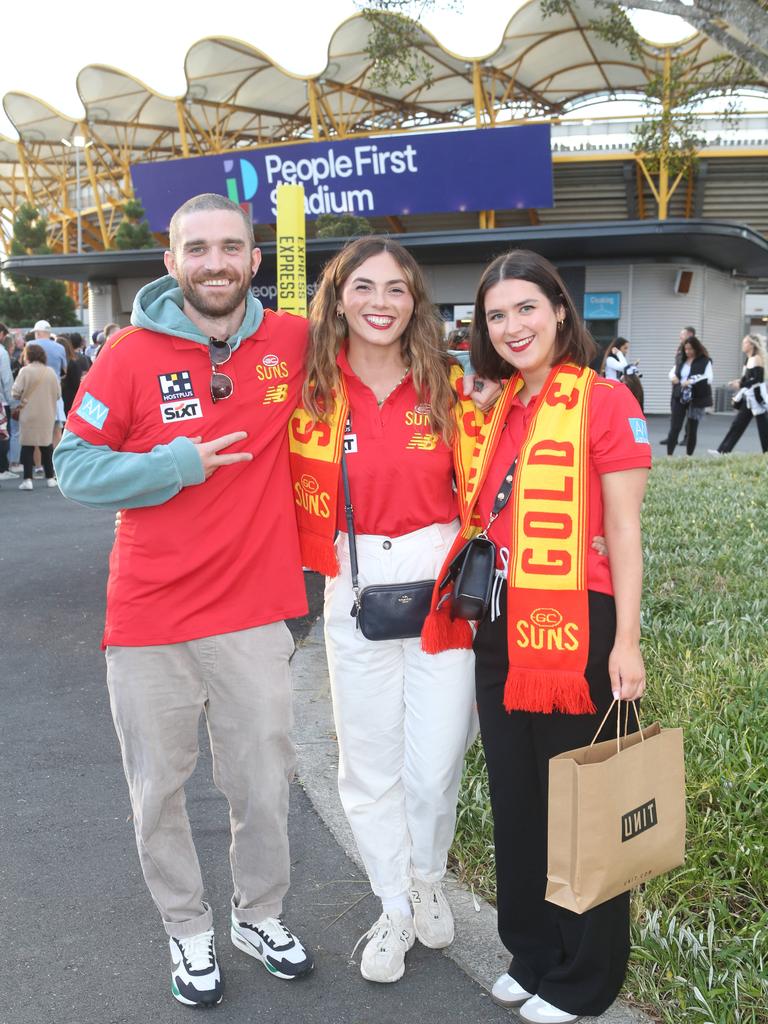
point(472, 570)
point(473, 567)
point(384, 611)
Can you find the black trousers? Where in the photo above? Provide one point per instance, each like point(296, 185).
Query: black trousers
point(28, 457)
point(577, 962)
point(679, 413)
point(740, 423)
point(5, 444)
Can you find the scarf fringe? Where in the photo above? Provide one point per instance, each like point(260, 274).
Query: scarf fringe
point(442, 633)
point(548, 691)
point(319, 554)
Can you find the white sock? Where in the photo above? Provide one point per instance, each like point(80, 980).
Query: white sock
point(399, 903)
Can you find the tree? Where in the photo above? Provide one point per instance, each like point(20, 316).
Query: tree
point(342, 225)
point(739, 26)
point(134, 232)
point(392, 42)
point(30, 299)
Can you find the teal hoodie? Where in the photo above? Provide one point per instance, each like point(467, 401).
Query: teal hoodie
point(97, 476)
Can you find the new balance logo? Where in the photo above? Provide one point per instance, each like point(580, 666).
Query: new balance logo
point(93, 411)
point(277, 393)
point(422, 442)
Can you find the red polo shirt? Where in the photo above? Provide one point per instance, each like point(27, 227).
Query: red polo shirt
point(400, 473)
point(618, 439)
point(224, 555)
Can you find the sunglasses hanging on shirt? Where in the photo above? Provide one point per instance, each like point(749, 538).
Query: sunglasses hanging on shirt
point(222, 384)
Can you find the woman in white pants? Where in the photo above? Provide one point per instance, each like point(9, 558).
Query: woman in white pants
point(380, 386)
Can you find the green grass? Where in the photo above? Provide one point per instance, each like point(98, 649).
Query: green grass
point(700, 933)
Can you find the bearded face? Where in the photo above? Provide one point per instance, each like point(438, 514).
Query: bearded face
point(213, 262)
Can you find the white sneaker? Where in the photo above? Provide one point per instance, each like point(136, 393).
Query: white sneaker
point(389, 940)
point(270, 942)
point(26, 485)
point(51, 482)
point(714, 451)
point(8, 475)
point(432, 915)
point(539, 1011)
point(195, 976)
point(507, 992)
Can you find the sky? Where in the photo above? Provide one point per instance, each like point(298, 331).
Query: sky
point(149, 39)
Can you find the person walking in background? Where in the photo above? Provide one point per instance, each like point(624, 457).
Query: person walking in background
point(691, 378)
point(616, 366)
point(92, 350)
point(38, 389)
point(751, 400)
point(381, 382)
point(6, 384)
point(82, 360)
point(71, 380)
point(559, 433)
point(56, 358)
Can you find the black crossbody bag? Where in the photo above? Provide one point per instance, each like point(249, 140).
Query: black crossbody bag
point(384, 611)
point(473, 567)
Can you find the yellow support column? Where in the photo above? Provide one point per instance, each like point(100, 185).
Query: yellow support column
point(83, 129)
point(313, 112)
point(479, 96)
point(25, 171)
point(182, 127)
point(663, 194)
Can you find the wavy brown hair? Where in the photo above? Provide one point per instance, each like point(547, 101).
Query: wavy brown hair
point(421, 343)
point(573, 342)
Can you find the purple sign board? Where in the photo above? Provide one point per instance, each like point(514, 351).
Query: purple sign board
point(436, 172)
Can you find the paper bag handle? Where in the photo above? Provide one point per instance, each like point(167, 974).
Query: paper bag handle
point(618, 722)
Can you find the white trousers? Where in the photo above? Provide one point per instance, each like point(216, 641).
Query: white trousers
point(404, 719)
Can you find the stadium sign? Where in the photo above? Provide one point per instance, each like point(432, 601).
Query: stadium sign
point(437, 172)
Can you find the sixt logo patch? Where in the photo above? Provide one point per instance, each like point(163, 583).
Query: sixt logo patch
point(184, 410)
point(174, 386)
point(93, 411)
point(639, 430)
point(635, 822)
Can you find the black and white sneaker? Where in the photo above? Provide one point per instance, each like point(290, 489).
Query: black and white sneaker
point(195, 976)
point(270, 942)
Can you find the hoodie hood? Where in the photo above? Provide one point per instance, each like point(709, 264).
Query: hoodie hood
point(158, 306)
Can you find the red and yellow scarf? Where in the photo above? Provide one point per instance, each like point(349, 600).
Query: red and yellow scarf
point(315, 458)
point(547, 604)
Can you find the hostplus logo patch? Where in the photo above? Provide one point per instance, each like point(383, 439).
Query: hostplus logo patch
point(242, 181)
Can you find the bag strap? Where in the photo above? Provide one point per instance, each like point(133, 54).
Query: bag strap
point(349, 513)
point(616, 703)
point(503, 495)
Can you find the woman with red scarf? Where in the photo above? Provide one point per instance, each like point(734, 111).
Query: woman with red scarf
point(561, 640)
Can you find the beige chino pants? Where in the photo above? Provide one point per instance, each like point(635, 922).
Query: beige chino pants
point(241, 682)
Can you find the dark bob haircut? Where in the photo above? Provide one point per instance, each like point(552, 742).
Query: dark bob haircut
point(573, 343)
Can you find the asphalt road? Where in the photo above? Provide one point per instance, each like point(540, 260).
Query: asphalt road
point(82, 941)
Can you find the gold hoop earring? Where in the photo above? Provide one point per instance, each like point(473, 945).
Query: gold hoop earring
point(561, 324)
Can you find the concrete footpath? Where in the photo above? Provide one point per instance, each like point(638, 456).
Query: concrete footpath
point(82, 941)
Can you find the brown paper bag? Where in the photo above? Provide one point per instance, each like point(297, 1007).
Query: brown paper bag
point(616, 816)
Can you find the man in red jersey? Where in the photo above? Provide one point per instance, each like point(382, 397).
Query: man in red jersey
point(182, 423)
